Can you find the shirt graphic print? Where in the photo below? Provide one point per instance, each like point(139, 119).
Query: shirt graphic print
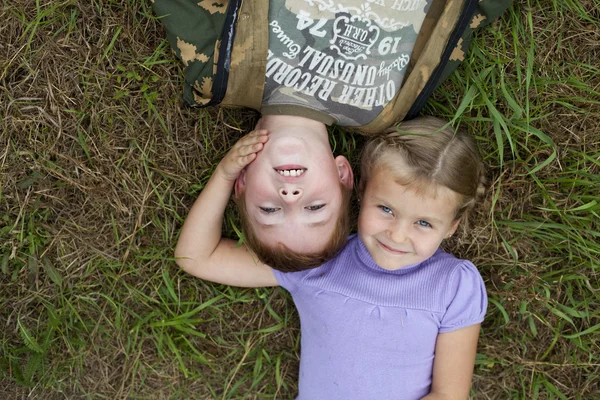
point(345, 58)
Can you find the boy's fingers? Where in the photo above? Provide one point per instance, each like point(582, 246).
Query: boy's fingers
point(245, 160)
point(250, 140)
point(259, 137)
point(250, 148)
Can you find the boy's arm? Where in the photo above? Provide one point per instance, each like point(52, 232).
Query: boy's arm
point(201, 251)
point(453, 364)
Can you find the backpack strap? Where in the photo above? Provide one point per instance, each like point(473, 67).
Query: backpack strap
point(451, 14)
point(487, 11)
point(249, 56)
point(482, 15)
point(222, 43)
point(438, 53)
point(223, 60)
point(435, 78)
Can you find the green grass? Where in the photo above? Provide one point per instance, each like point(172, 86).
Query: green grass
point(99, 164)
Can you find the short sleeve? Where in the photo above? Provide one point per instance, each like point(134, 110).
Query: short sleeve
point(467, 298)
point(289, 280)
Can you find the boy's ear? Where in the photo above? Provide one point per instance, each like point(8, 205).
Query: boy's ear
point(240, 184)
point(345, 171)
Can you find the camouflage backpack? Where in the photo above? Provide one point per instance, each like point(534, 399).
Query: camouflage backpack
point(365, 64)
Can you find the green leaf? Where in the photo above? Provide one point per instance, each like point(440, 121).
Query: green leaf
point(278, 378)
point(52, 273)
point(30, 180)
point(34, 364)
point(501, 309)
point(28, 338)
point(177, 354)
point(586, 332)
point(560, 314)
point(81, 139)
point(532, 326)
point(169, 284)
point(583, 207)
point(110, 46)
point(4, 264)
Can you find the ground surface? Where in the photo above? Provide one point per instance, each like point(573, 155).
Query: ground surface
point(99, 164)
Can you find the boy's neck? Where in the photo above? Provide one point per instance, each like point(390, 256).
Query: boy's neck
point(273, 122)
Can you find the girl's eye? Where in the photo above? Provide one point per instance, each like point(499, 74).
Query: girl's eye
point(315, 207)
point(269, 210)
point(385, 209)
point(424, 223)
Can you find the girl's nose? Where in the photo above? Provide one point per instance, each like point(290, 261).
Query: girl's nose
point(398, 234)
point(290, 195)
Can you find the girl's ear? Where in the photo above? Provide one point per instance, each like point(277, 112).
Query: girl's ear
point(345, 171)
point(453, 228)
point(240, 184)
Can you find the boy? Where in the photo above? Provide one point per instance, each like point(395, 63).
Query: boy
point(294, 199)
point(282, 202)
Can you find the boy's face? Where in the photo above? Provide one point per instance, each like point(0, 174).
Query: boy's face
point(400, 227)
point(293, 191)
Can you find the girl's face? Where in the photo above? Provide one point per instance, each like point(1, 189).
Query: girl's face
point(400, 227)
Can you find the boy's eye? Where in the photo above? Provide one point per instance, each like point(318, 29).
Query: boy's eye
point(269, 210)
point(315, 207)
point(424, 223)
point(385, 209)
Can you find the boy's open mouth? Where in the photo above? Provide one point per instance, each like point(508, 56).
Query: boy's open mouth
point(290, 172)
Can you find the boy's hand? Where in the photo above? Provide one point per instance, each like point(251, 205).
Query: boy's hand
point(242, 153)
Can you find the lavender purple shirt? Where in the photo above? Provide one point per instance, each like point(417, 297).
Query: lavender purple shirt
point(369, 333)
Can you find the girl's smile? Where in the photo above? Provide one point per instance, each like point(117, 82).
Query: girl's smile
point(391, 250)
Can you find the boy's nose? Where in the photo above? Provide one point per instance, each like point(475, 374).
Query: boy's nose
point(290, 195)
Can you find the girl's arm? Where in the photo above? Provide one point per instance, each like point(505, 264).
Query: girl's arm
point(453, 364)
point(201, 251)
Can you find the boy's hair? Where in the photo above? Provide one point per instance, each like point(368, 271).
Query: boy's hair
point(424, 153)
point(280, 257)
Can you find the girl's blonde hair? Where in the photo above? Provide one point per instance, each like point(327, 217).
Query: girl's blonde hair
point(423, 154)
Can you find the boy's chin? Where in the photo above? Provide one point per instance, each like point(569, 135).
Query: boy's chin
point(293, 244)
point(305, 248)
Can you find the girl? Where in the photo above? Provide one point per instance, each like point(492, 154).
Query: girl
point(392, 316)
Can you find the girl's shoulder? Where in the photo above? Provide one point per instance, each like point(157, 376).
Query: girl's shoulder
point(445, 265)
point(464, 295)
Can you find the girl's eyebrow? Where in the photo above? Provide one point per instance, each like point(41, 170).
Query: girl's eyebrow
point(378, 199)
point(431, 220)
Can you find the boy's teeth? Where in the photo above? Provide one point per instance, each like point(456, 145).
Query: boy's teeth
point(290, 172)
